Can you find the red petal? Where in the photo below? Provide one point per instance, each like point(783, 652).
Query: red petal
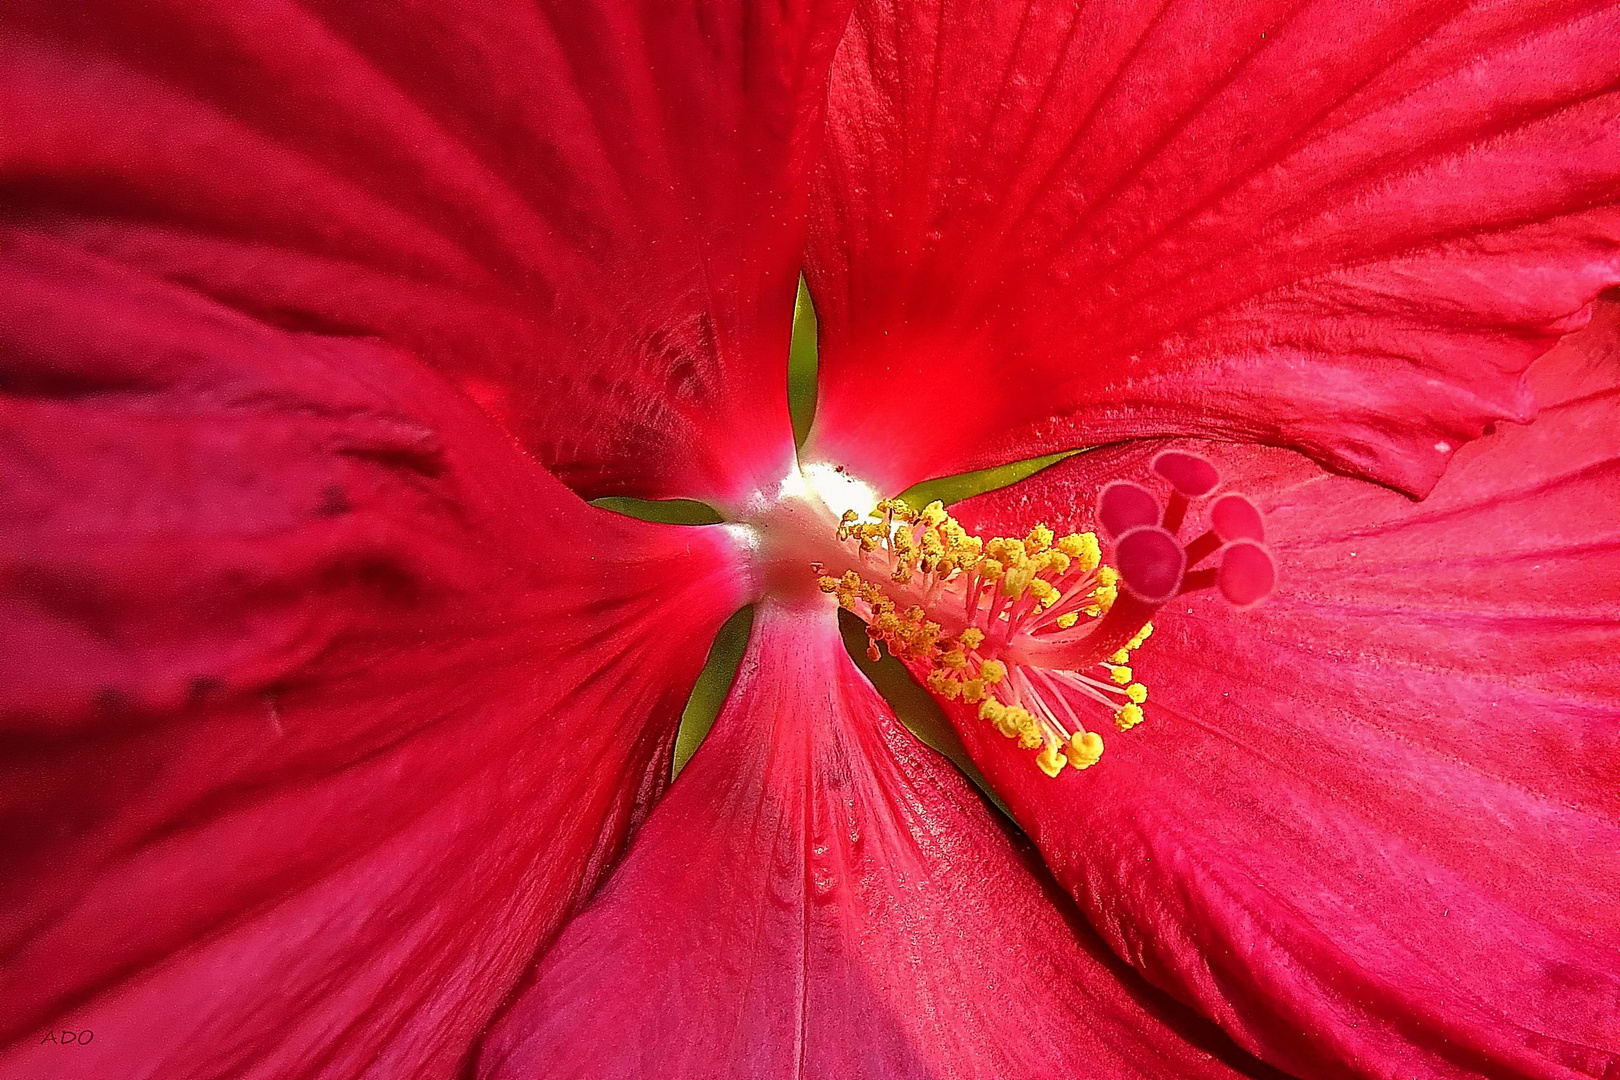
point(321, 703)
point(589, 214)
point(1373, 827)
point(821, 896)
point(1341, 227)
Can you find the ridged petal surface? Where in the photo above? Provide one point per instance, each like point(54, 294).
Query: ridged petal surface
point(1372, 827)
point(590, 215)
point(321, 705)
point(1345, 227)
point(820, 896)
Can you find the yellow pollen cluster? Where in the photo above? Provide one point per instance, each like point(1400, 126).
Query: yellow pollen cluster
point(954, 605)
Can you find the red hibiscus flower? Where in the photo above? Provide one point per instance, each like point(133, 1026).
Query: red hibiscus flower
point(337, 726)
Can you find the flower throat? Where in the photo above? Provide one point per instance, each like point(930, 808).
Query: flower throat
point(1026, 627)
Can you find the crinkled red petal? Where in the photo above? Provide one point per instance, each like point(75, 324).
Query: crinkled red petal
point(821, 896)
point(321, 705)
point(1372, 828)
point(590, 215)
point(1345, 228)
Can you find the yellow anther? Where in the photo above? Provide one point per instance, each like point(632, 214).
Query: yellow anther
point(1055, 563)
point(1084, 548)
point(1050, 761)
point(921, 640)
point(941, 682)
point(931, 545)
point(1000, 715)
point(1010, 552)
point(1084, 750)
